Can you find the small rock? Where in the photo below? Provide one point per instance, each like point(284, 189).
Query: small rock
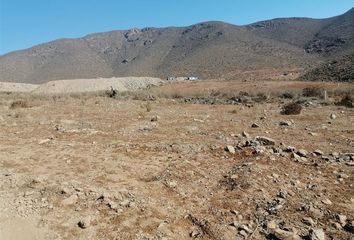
point(243, 233)
point(337, 226)
point(317, 234)
point(272, 225)
point(342, 219)
point(85, 222)
point(349, 227)
point(44, 141)
point(282, 194)
point(302, 152)
point(286, 235)
point(154, 118)
point(315, 212)
point(230, 149)
point(172, 184)
point(265, 140)
point(333, 116)
point(70, 200)
point(289, 149)
point(326, 201)
point(335, 154)
point(274, 175)
point(295, 156)
point(308, 221)
point(245, 134)
point(318, 152)
point(255, 125)
point(285, 123)
point(125, 203)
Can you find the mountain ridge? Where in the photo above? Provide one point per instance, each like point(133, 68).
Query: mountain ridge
point(207, 49)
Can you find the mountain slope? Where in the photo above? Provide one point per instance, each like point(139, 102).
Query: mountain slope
point(339, 70)
point(210, 49)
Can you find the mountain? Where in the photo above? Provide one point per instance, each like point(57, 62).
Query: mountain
point(209, 50)
point(339, 70)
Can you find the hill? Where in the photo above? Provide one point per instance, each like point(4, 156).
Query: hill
point(209, 50)
point(338, 70)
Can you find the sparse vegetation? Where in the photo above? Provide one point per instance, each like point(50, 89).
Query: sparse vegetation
point(292, 108)
point(287, 95)
point(19, 104)
point(312, 92)
point(148, 107)
point(346, 101)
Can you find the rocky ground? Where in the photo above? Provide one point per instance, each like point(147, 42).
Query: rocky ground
point(102, 168)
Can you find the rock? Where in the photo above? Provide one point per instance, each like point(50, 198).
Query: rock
point(245, 134)
point(272, 225)
point(317, 234)
point(342, 219)
point(125, 203)
point(283, 194)
point(326, 201)
point(318, 152)
point(295, 156)
point(85, 222)
point(308, 221)
point(265, 140)
point(335, 154)
point(315, 212)
point(333, 116)
point(289, 149)
point(255, 125)
point(302, 152)
point(172, 184)
point(155, 118)
point(243, 233)
point(44, 141)
point(70, 200)
point(337, 226)
point(259, 150)
point(285, 123)
point(230, 149)
point(285, 235)
point(349, 227)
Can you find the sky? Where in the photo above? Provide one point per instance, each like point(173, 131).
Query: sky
point(24, 23)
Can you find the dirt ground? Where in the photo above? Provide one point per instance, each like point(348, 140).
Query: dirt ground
point(102, 168)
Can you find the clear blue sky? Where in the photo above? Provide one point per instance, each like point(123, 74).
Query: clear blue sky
point(24, 23)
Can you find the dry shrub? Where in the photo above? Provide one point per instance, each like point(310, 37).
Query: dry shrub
point(287, 95)
point(312, 92)
point(244, 94)
point(19, 104)
point(148, 107)
point(260, 97)
point(291, 109)
point(346, 101)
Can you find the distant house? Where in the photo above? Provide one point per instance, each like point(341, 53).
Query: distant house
point(192, 78)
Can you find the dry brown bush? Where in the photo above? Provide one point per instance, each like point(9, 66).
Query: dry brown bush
point(312, 92)
point(346, 101)
point(19, 104)
point(291, 109)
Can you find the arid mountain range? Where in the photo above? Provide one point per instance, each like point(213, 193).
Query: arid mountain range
point(208, 50)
